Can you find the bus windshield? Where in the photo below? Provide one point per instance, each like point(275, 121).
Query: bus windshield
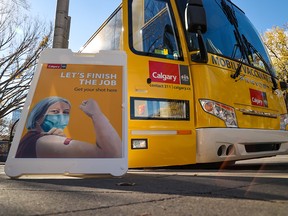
point(226, 25)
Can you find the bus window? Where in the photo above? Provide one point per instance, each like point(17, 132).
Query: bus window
point(221, 38)
point(108, 37)
point(153, 29)
point(161, 109)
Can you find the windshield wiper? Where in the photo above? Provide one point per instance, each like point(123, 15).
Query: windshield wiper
point(230, 14)
point(242, 51)
point(267, 67)
point(243, 44)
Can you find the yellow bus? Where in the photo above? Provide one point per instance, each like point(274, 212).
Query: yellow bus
point(201, 87)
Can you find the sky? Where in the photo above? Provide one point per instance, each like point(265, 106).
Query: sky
point(88, 15)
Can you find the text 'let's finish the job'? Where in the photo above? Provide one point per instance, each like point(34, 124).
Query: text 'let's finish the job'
point(94, 79)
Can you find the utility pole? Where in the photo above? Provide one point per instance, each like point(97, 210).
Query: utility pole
point(62, 25)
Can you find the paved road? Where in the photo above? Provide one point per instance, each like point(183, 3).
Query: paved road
point(254, 187)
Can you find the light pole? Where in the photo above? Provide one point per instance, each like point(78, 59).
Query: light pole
point(62, 25)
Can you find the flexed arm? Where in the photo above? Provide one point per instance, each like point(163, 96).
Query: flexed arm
point(108, 141)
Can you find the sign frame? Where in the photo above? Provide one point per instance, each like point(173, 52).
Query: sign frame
point(17, 167)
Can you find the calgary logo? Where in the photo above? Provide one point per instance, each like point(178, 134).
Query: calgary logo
point(164, 72)
point(258, 98)
point(56, 66)
point(184, 78)
point(164, 77)
point(256, 101)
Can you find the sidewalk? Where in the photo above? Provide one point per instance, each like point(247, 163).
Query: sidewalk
point(241, 191)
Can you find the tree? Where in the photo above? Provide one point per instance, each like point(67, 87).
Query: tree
point(4, 129)
point(22, 40)
point(276, 41)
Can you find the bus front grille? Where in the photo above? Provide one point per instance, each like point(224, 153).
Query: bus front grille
point(262, 147)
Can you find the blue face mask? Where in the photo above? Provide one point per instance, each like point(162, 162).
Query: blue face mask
point(55, 121)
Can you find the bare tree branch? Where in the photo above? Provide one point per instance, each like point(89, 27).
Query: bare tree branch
point(22, 40)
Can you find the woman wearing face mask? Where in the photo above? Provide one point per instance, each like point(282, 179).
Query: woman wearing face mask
point(45, 137)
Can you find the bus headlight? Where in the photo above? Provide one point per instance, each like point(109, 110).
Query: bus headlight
point(283, 121)
point(222, 111)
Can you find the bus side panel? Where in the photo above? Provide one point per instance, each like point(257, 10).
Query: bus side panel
point(162, 150)
point(169, 141)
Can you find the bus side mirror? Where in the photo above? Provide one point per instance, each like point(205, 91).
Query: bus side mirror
point(195, 22)
point(195, 17)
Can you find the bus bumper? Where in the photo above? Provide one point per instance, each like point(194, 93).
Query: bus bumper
point(232, 144)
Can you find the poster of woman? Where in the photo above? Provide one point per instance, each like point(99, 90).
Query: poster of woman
point(46, 138)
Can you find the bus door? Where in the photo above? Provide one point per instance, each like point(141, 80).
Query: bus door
point(161, 123)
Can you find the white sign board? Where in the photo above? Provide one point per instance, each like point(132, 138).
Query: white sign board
point(74, 120)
